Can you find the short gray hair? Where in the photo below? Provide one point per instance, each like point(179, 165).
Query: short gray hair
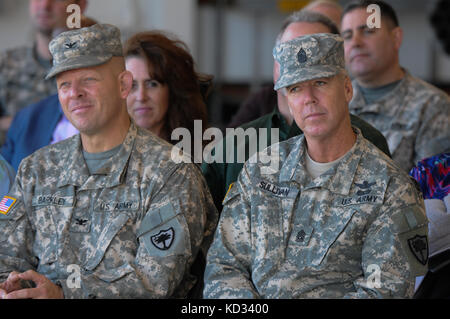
point(306, 16)
point(342, 73)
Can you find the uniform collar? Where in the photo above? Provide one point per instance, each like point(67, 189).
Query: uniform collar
point(358, 101)
point(338, 179)
point(111, 174)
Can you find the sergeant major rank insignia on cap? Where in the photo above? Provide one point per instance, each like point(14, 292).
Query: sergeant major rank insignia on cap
point(6, 204)
point(301, 56)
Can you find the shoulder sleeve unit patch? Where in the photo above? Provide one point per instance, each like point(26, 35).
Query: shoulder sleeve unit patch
point(6, 204)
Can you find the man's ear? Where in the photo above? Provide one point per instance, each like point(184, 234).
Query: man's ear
point(125, 83)
point(397, 34)
point(348, 88)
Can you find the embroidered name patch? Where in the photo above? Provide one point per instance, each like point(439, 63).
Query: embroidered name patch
point(55, 200)
point(365, 192)
point(6, 204)
point(274, 189)
point(116, 206)
point(364, 199)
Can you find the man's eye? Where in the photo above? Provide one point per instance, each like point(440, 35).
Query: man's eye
point(294, 89)
point(369, 30)
point(320, 83)
point(346, 36)
point(63, 85)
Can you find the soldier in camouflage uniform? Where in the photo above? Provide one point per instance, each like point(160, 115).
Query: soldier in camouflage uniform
point(413, 115)
point(125, 224)
point(221, 174)
point(23, 69)
point(357, 229)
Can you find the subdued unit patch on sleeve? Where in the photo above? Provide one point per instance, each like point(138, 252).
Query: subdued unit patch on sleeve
point(412, 228)
point(164, 232)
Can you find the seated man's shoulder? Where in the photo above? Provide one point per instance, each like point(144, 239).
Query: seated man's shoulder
point(50, 160)
point(52, 154)
point(151, 146)
point(157, 153)
point(421, 89)
point(375, 162)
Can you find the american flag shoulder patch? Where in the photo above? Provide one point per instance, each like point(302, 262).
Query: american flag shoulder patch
point(6, 204)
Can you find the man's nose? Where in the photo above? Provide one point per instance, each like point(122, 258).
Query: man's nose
point(308, 95)
point(76, 91)
point(356, 39)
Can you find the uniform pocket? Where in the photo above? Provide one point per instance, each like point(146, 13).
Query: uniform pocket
point(311, 244)
point(112, 275)
point(112, 226)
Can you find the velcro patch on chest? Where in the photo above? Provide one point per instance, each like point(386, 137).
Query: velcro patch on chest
point(52, 199)
point(116, 206)
point(364, 192)
point(277, 190)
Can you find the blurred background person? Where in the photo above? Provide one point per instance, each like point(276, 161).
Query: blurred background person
point(330, 9)
point(412, 114)
point(167, 91)
point(22, 69)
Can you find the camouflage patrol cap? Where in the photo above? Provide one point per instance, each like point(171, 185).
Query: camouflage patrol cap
point(84, 47)
point(309, 57)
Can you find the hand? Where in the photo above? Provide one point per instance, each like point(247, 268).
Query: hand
point(45, 289)
point(12, 283)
